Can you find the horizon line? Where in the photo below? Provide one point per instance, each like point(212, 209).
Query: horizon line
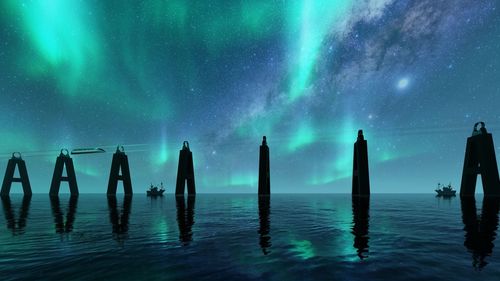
point(244, 193)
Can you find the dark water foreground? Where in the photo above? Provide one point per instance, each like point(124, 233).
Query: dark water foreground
point(238, 237)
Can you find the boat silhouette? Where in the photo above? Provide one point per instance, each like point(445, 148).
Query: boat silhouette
point(445, 191)
point(155, 191)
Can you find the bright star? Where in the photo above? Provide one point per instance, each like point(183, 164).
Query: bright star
point(403, 83)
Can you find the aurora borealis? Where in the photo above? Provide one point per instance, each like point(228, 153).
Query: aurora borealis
point(414, 75)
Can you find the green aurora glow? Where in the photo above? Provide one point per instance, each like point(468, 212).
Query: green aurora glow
point(308, 74)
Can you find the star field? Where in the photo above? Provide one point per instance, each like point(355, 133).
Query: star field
point(414, 75)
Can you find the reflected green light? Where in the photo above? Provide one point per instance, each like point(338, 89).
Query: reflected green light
point(303, 249)
point(162, 230)
point(345, 240)
point(240, 203)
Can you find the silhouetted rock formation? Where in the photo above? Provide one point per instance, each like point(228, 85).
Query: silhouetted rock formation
point(185, 218)
point(480, 232)
point(480, 159)
point(119, 221)
point(361, 218)
point(60, 225)
point(120, 160)
point(360, 173)
point(185, 171)
point(264, 224)
point(16, 226)
point(64, 160)
point(8, 179)
point(264, 169)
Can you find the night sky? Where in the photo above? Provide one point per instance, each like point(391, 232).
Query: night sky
point(414, 75)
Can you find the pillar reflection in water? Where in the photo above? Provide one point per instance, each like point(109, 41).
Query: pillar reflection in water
point(185, 218)
point(361, 218)
point(60, 225)
point(264, 223)
point(119, 220)
point(16, 225)
point(480, 232)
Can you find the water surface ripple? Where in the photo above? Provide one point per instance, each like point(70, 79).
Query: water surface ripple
point(243, 237)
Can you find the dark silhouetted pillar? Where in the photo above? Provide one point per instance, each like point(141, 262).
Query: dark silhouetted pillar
point(60, 225)
point(8, 179)
point(264, 223)
point(360, 173)
point(16, 226)
point(480, 159)
point(264, 169)
point(480, 231)
point(120, 160)
point(62, 160)
point(185, 218)
point(185, 171)
point(361, 217)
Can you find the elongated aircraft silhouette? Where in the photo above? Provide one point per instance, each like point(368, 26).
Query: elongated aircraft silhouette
point(87, 150)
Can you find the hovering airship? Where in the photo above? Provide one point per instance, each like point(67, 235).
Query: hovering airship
point(90, 150)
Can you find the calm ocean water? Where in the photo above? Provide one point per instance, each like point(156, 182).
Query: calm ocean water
point(242, 237)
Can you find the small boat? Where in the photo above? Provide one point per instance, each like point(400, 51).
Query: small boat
point(155, 191)
point(87, 150)
point(445, 191)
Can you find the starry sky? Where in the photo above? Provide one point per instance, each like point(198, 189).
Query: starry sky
point(415, 75)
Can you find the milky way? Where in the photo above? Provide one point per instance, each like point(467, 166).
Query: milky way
point(414, 75)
